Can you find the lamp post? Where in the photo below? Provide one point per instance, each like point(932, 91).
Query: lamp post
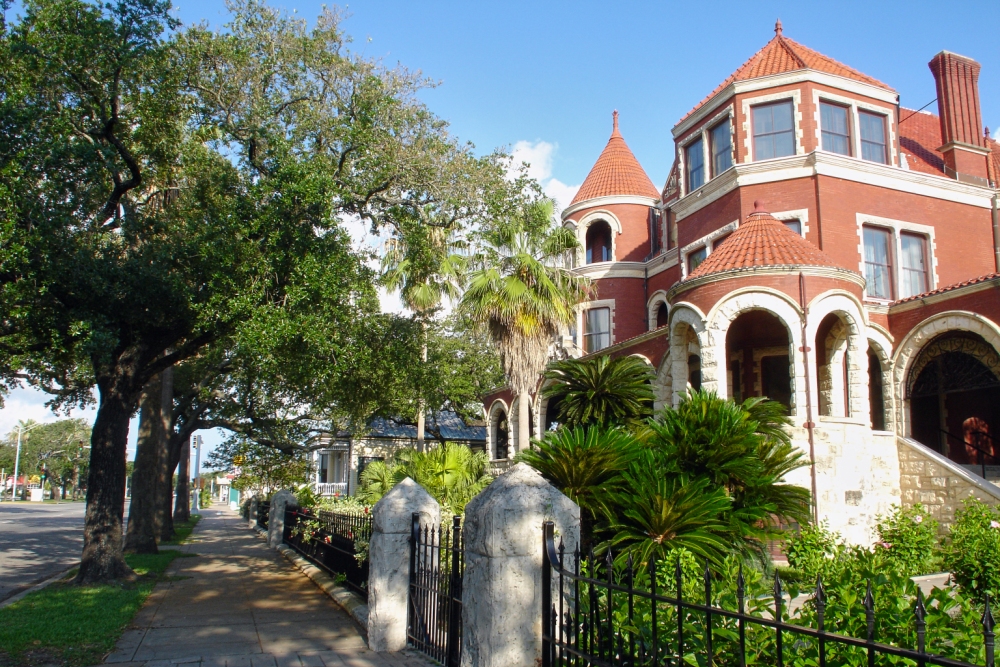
point(17, 456)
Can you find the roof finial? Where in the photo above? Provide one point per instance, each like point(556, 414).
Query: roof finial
point(614, 115)
point(777, 28)
point(758, 206)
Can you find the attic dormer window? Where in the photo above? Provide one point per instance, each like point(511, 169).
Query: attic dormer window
point(694, 159)
point(773, 130)
point(598, 242)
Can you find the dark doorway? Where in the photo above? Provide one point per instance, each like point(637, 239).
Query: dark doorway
point(552, 414)
point(502, 438)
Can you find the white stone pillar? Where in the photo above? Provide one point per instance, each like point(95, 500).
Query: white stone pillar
point(281, 501)
point(502, 584)
point(389, 561)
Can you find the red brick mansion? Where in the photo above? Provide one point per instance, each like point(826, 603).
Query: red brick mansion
point(819, 244)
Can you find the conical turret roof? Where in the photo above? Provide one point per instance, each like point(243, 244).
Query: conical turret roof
point(762, 241)
point(616, 172)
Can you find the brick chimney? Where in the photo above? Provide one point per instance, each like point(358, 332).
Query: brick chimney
point(964, 149)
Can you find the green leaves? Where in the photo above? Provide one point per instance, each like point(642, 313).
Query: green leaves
point(600, 391)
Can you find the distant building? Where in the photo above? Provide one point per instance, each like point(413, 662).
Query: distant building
point(817, 243)
point(340, 460)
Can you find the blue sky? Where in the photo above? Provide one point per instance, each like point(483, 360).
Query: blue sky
point(544, 77)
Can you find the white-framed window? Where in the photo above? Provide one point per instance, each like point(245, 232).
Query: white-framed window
point(721, 143)
point(694, 164)
point(695, 258)
point(835, 127)
point(597, 329)
point(913, 274)
point(796, 220)
point(773, 129)
point(793, 224)
point(873, 139)
point(897, 257)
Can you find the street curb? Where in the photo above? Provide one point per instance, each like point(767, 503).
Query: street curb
point(345, 598)
point(38, 587)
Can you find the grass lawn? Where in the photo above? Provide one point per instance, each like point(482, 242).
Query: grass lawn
point(70, 625)
point(182, 529)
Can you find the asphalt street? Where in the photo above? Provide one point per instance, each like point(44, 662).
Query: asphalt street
point(37, 541)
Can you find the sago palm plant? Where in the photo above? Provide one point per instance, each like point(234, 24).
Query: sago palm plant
point(601, 391)
point(519, 292)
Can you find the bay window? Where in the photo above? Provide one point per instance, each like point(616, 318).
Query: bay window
point(835, 128)
point(722, 148)
point(773, 130)
point(694, 158)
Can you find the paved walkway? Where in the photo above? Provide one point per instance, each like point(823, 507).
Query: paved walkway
point(241, 604)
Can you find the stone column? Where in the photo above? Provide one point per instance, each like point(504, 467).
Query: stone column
point(502, 585)
point(389, 561)
point(252, 513)
point(281, 501)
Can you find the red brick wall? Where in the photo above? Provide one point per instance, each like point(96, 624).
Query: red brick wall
point(631, 318)
point(984, 302)
point(632, 245)
point(707, 295)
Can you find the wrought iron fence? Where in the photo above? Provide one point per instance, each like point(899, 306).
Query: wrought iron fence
point(604, 619)
point(437, 563)
point(336, 542)
point(263, 513)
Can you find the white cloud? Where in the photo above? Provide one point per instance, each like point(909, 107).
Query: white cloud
point(539, 157)
point(27, 403)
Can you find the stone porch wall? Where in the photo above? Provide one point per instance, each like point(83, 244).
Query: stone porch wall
point(928, 478)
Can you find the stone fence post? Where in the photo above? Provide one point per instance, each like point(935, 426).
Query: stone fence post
point(502, 584)
point(389, 561)
point(252, 512)
point(281, 501)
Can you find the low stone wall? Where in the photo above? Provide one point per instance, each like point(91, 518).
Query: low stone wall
point(940, 485)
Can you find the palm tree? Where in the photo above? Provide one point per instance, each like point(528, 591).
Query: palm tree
point(601, 391)
point(424, 267)
point(523, 297)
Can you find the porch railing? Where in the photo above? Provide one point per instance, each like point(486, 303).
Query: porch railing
point(331, 488)
point(594, 614)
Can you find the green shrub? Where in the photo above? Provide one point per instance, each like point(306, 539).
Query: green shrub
point(810, 550)
point(973, 551)
point(908, 539)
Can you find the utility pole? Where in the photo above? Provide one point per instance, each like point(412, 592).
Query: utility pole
point(196, 442)
point(17, 456)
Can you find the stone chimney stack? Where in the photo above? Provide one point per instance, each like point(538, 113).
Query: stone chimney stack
point(964, 148)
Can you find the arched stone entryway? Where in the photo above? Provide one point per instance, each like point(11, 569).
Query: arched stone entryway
point(498, 431)
point(758, 358)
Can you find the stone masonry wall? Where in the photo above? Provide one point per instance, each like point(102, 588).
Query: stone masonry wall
point(941, 486)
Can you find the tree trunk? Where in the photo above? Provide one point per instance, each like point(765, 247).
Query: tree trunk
point(168, 462)
point(182, 507)
point(140, 536)
point(523, 421)
point(102, 558)
point(421, 405)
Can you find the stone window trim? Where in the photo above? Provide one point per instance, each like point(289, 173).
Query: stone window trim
point(581, 227)
point(653, 305)
point(708, 242)
point(896, 227)
point(854, 105)
point(581, 313)
point(796, 98)
point(704, 133)
point(800, 214)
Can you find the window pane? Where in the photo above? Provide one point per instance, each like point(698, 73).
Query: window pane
point(836, 137)
point(696, 258)
point(773, 131)
point(913, 262)
point(722, 148)
point(878, 268)
point(793, 225)
point(694, 156)
point(872, 136)
point(598, 329)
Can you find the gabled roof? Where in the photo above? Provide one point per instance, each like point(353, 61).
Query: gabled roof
point(616, 172)
point(784, 55)
point(762, 241)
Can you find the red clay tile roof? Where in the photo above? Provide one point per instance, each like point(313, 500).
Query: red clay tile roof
point(919, 139)
point(784, 55)
point(616, 172)
point(948, 288)
point(762, 241)
point(993, 164)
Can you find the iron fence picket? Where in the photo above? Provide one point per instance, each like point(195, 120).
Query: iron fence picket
point(263, 513)
point(333, 546)
point(591, 589)
point(437, 565)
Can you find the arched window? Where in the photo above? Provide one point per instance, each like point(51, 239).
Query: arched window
point(598, 242)
point(662, 315)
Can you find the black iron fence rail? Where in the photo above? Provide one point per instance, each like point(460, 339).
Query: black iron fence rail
point(434, 618)
point(263, 513)
point(332, 541)
point(589, 630)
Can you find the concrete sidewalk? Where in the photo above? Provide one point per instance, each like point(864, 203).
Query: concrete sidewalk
point(240, 604)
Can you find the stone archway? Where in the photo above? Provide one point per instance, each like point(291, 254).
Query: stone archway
point(687, 332)
point(837, 332)
point(498, 430)
point(880, 382)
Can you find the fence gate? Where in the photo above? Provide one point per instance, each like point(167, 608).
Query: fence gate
point(434, 618)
